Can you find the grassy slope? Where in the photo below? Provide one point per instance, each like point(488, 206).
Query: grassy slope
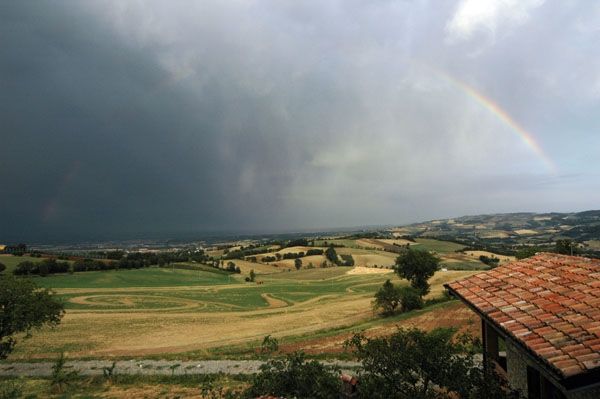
point(11, 261)
point(148, 277)
point(437, 245)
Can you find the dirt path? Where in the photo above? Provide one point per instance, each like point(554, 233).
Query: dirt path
point(274, 302)
point(146, 367)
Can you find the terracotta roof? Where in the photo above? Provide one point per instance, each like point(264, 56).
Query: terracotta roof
point(549, 303)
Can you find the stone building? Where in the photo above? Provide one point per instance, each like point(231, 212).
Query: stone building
point(540, 320)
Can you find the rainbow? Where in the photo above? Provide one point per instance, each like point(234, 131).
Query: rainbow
point(487, 103)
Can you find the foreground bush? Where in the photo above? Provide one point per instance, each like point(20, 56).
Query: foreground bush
point(294, 377)
point(414, 364)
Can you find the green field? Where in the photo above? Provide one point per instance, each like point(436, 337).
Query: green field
point(437, 245)
point(165, 311)
point(190, 291)
point(11, 261)
point(147, 277)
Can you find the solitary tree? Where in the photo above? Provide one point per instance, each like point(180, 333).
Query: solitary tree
point(298, 263)
point(252, 275)
point(387, 298)
point(417, 267)
point(24, 306)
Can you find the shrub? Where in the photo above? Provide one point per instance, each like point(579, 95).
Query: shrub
point(426, 365)
point(11, 389)
point(109, 373)
point(387, 298)
point(490, 261)
point(25, 268)
point(347, 260)
point(294, 377)
point(59, 377)
point(410, 299)
point(269, 345)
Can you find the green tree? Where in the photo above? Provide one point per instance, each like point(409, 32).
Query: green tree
point(417, 267)
point(566, 247)
point(526, 252)
point(492, 261)
point(297, 263)
point(43, 269)
point(331, 255)
point(24, 306)
point(410, 299)
point(231, 267)
point(25, 268)
point(294, 377)
point(423, 365)
point(387, 298)
point(252, 275)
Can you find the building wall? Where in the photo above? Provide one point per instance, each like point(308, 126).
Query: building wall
point(517, 362)
point(516, 365)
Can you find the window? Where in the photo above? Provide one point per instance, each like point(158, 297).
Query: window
point(533, 383)
point(538, 387)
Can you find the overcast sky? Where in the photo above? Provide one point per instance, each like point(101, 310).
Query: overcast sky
point(119, 118)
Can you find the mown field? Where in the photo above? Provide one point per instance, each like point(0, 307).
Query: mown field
point(201, 314)
point(211, 313)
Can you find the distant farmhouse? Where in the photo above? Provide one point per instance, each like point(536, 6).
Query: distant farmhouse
point(540, 322)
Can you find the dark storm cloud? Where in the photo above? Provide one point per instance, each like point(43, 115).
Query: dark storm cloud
point(91, 135)
point(120, 118)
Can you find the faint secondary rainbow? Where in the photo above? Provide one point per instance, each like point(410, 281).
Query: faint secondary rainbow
point(526, 137)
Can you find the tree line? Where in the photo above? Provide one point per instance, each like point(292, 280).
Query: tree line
point(134, 260)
